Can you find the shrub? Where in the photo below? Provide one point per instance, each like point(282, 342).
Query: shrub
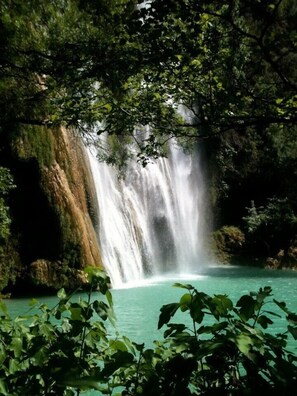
point(226, 349)
point(270, 228)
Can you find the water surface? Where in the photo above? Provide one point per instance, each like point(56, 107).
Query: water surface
point(137, 305)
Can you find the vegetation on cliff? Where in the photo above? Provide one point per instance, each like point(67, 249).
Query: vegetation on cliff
point(9, 260)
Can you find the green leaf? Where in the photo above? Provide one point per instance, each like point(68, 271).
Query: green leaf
point(33, 302)
point(109, 298)
point(247, 307)
point(292, 318)
point(221, 305)
point(167, 312)
point(47, 330)
point(281, 305)
point(41, 356)
point(244, 343)
point(263, 294)
point(101, 309)
point(76, 313)
point(3, 308)
point(129, 344)
point(62, 294)
point(293, 331)
point(17, 344)
point(108, 107)
point(216, 327)
point(138, 347)
point(174, 330)
point(199, 303)
point(14, 366)
point(3, 389)
point(98, 278)
point(183, 286)
point(120, 359)
point(185, 302)
point(273, 314)
point(66, 326)
point(118, 345)
point(264, 321)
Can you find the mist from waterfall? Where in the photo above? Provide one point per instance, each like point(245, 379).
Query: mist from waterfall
point(151, 222)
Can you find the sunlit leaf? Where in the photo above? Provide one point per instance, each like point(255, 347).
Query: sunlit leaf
point(76, 313)
point(185, 302)
point(3, 389)
point(62, 294)
point(3, 307)
point(33, 302)
point(244, 343)
point(118, 345)
point(183, 286)
point(109, 298)
point(17, 345)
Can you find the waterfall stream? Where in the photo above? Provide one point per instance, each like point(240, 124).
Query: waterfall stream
point(150, 221)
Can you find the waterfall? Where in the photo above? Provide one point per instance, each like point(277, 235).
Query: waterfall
point(151, 220)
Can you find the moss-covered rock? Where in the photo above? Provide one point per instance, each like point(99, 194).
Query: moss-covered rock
point(292, 254)
point(10, 264)
point(37, 142)
point(228, 243)
point(284, 258)
point(55, 275)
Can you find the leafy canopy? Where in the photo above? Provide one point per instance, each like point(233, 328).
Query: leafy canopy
point(123, 65)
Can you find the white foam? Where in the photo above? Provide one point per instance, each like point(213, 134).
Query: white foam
point(157, 280)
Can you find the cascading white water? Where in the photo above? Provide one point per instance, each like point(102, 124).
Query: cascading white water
point(150, 222)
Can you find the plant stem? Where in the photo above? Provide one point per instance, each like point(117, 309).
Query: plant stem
point(83, 337)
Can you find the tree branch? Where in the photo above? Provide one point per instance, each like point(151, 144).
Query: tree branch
point(258, 40)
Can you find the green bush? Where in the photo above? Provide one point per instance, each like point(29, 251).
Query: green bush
point(226, 350)
point(270, 228)
point(55, 351)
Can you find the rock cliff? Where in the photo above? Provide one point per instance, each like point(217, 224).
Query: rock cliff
point(53, 208)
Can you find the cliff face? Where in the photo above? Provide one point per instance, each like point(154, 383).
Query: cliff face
point(53, 208)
